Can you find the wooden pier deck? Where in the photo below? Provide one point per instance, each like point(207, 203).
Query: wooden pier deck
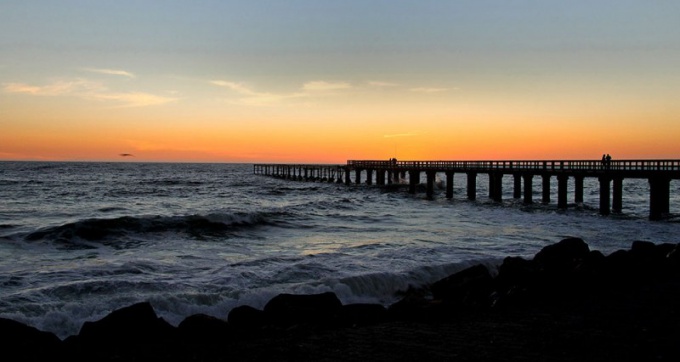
point(610, 176)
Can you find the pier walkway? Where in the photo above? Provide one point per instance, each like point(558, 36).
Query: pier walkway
point(610, 175)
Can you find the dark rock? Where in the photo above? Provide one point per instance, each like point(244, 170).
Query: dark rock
point(26, 343)
point(673, 257)
point(470, 287)
point(246, 317)
point(413, 306)
point(515, 271)
point(562, 257)
point(642, 248)
point(363, 314)
point(292, 309)
point(201, 328)
point(136, 325)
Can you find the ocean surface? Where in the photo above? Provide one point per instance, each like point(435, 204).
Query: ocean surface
point(79, 240)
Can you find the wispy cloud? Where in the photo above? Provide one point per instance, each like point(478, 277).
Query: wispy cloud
point(56, 88)
point(428, 90)
point(110, 72)
point(89, 90)
point(375, 83)
point(255, 98)
point(323, 86)
point(132, 99)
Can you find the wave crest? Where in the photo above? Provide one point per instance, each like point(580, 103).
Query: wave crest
point(116, 229)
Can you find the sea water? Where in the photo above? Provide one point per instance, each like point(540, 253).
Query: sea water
point(79, 240)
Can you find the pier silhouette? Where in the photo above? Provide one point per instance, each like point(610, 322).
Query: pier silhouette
point(610, 175)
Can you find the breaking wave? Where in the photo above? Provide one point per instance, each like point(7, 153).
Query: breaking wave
point(108, 231)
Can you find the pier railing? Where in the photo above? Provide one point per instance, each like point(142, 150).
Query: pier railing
point(538, 165)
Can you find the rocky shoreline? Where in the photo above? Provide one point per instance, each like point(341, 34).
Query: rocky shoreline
point(568, 303)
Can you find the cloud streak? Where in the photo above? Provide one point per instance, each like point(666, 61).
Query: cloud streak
point(255, 98)
point(116, 72)
point(88, 90)
point(323, 86)
point(428, 90)
point(374, 83)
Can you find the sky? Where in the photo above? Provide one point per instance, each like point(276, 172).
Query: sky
point(319, 81)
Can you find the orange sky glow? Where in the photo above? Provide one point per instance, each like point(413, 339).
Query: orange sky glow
point(458, 81)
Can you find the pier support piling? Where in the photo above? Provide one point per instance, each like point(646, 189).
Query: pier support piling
point(578, 189)
point(496, 186)
point(604, 195)
point(528, 188)
point(431, 175)
point(562, 191)
point(449, 184)
point(546, 189)
point(472, 185)
point(617, 195)
point(659, 193)
point(517, 183)
point(414, 179)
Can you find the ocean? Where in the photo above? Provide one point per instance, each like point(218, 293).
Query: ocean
point(79, 240)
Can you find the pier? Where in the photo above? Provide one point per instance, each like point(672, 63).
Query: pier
point(610, 176)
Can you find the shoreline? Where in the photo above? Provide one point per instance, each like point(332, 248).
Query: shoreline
point(568, 303)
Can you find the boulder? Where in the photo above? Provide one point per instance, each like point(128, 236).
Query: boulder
point(26, 343)
point(563, 257)
point(202, 329)
point(246, 317)
point(293, 309)
point(515, 272)
point(363, 314)
point(137, 324)
point(470, 287)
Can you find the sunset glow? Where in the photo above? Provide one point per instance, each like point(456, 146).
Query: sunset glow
point(324, 82)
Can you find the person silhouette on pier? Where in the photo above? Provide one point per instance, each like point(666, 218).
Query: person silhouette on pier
point(606, 160)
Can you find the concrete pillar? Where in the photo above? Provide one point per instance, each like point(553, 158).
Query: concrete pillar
point(496, 186)
point(449, 184)
point(604, 194)
point(414, 179)
point(347, 178)
point(517, 189)
point(491, 185)
point(369, 176)
point(357, 176)
point(430, 184)
point(528, 188)
point(617, 195)
point(472, 185)
point(578, 189)
point(562, 191)
point(659, 193)
point(380, 177)
point(546, 189)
